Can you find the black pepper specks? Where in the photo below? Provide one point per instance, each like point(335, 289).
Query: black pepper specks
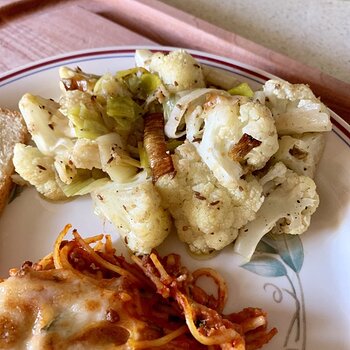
point(199, 196)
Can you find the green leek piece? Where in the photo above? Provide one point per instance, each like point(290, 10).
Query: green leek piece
point(131, 71)
point(242, 89)
point(124, 111)
point(169, 104)
point(149, 83)
point(84, 182)
point(139, 81)
point(88, 123)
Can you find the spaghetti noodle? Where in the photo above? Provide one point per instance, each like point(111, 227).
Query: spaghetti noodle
point(84, 295)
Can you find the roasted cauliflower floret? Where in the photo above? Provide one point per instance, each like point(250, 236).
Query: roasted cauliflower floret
point(85, 154)
point(295, 108)
point(136, 212)
point(290, 201)
point(38, 170)
point(206, 214)
point(178, 70)
point(238, 136)
point(48, 127)
point(301, 153)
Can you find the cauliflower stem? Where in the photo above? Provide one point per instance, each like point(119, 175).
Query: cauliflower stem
point(287, 208)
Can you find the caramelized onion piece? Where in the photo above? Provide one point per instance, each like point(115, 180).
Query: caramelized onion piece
point(243, 147)
point(298, 153)
point(155, 146)
point(75, 84)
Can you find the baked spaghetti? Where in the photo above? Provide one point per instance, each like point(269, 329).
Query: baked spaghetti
point(85, 296)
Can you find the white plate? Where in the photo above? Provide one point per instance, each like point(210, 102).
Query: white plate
point(305, 288)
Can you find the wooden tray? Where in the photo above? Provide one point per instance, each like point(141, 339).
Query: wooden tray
point(34, 29)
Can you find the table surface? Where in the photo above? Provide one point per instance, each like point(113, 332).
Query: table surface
point(315, 32)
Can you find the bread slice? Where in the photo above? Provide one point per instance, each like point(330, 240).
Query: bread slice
point(12, 130)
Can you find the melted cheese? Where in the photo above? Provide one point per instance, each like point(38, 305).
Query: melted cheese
point(56, 310)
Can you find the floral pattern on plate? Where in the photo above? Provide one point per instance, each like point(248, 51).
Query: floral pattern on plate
point(283, 256)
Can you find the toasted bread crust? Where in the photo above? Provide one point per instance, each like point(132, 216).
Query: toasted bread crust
point(12, 131)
